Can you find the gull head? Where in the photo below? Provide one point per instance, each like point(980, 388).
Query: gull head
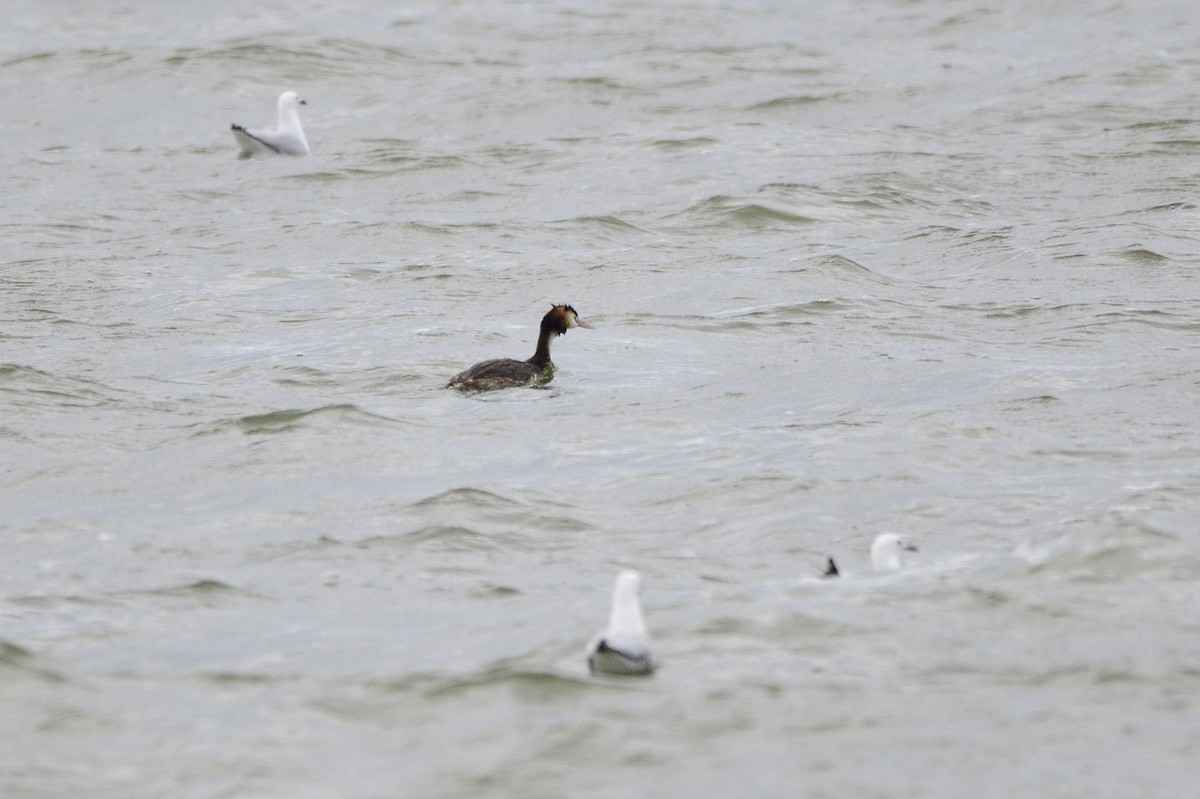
point(888, 552)
point(290, 101)
point(628, 586)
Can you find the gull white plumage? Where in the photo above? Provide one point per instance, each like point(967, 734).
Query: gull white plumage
point(623, 647)
point(889, 551)
point(286, 138)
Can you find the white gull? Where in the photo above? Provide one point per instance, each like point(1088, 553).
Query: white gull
point(889, 552)
point(287, 138)
point(624, 646)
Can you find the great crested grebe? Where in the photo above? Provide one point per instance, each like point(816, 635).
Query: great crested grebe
point(507, 373)
point(624, 645)
point(287, 138)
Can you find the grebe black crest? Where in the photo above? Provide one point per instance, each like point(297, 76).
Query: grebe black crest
point(507, 372)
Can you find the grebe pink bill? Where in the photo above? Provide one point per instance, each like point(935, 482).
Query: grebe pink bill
point(510, 373)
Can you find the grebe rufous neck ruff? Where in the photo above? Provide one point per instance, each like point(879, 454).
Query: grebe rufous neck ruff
point(507, 373)
point(286, 138)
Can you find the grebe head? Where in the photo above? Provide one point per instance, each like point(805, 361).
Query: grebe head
point(887, 551)
point(561, 318)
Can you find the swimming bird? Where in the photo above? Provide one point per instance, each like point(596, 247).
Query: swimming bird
point(507, 373)
point(623, 647)
point(287, 138)
point(888, 552)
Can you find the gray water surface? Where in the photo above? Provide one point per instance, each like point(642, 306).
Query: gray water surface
point(927, 267)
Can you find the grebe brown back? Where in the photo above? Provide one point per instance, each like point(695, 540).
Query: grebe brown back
point(507, 372)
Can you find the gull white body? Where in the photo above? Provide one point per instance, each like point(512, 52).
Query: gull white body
point(623, 647)
point(286, 138)
point(889, 552)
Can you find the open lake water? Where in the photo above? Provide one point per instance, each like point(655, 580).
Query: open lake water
point(930, 267)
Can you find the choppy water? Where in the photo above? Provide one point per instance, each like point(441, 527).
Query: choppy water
point(929, 267)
